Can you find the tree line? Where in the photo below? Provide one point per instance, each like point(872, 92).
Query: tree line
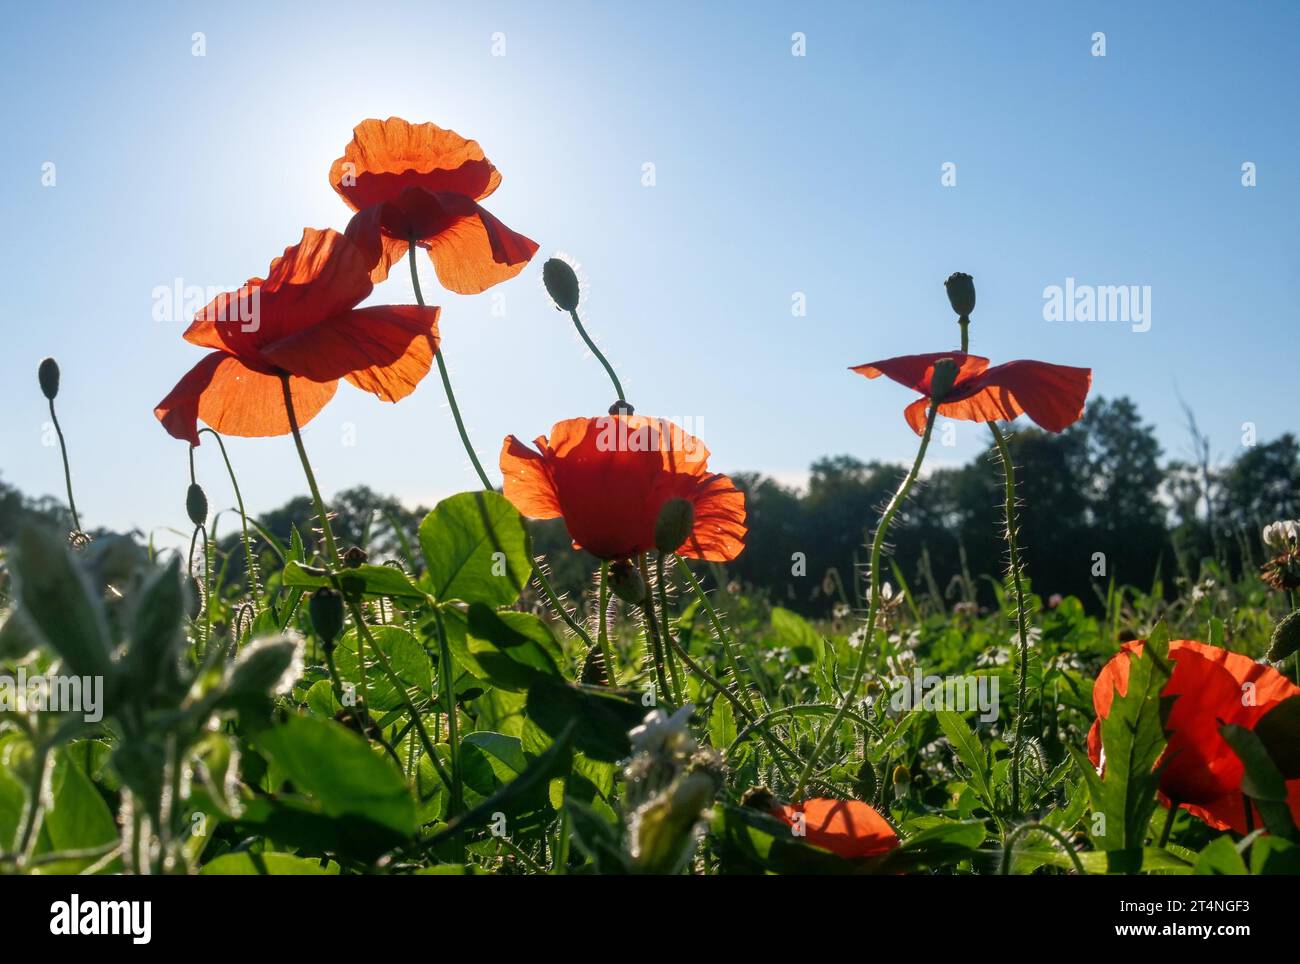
point(1097, 504)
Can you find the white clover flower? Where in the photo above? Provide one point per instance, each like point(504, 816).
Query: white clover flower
point(658, 729)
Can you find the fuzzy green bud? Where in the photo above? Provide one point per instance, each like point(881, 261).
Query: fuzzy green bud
point(561, 283)
point(48, 375)
point(626, 582)
point(196, 504)
point(326, 611)
point(674, 525)
point(1286, 637)
point(945, 375)
point(961, 293)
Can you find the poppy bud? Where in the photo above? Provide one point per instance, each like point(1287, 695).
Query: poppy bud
point(676, 519)
point(1286, 637)
point(561, 283)
point(961, 293)
point(626, 582)
point(941, 382)
point(355, 557)
point(326, 611)
point(48, 374)
point(196, 504)
point(621, 407)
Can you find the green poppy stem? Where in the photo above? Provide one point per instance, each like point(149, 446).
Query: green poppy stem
point(728, 646)
point(600, 357)
point(249, 562)
point(1022, 632)
point(873, 606)
point(602, 628)
point(364, 636)
point(67, 470)
point(446, 380)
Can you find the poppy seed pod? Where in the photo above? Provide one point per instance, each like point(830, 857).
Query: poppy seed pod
point(622, 407)
point(48, 374)
point(674, 525)
point(627, 582)
point(326, 611)
point(561, 283)
point(961, 293)
point(196, 504)
point(945, 375)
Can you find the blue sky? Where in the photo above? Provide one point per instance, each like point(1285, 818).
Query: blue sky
point(774, 174)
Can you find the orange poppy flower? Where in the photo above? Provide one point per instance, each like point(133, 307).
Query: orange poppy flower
point(609, 477)
point(1051, 395)
point(301, 320)
point(417, 183)
point(848, 828)
point(1202, 774)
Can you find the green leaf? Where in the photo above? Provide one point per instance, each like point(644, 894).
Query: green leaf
point(247, 863)
point(157, 634)
point(600, 720)
point(793, 631)
point(519, 794)
point(366, 580)
point(408, 658)
point(80, 818)
point(339, 770)
point(504, 754)
point(1133, 738)
point(1220, 858)
point(1279, 730)
point(722, 725)
point(1261, 782)
point(938, 843)
point(970, 751)
point(57, 600)
point(507, 649)
point(476, 549)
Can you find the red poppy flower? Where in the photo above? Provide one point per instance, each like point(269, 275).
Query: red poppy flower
point(302, 321)
point(419, 183)
point(849, 828)
point(609, 477)
point(1051, 395)
point(1213, 687)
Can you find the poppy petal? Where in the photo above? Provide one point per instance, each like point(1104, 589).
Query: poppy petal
point(386, 157)
point(915, 371)
point(235, 399)
point(1051, 395)
point(321, 276)
point(476, 251)
point(385, 350)
point(528, 482)
point(719, 531)
point(849, 828)
point(381, 251)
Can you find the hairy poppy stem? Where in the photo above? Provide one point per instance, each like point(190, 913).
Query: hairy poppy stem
point(243, 518)
point(602, 628)
point(667, 629)
point(723, 636)
point(446, 379)
point(652, 634)
point(364, 636)
point(67, 470)
point(600, 357)
point(1008, 848)
point(1022, 633)
point(873, 606)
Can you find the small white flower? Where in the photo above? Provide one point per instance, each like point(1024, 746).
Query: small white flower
point(658, 728)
